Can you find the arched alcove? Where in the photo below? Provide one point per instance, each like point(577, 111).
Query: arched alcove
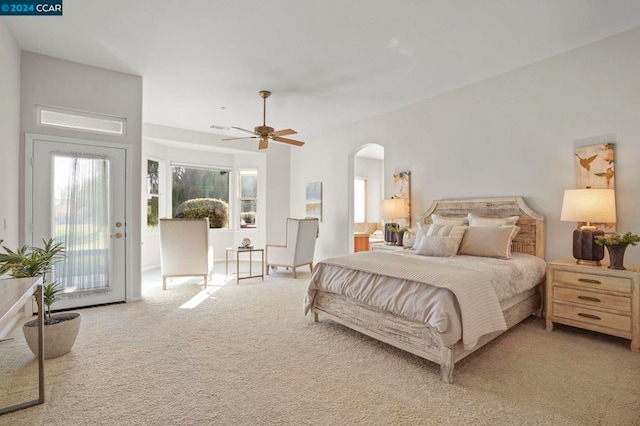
point(365, 163)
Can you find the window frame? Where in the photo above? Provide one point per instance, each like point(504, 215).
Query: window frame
point(249, 171)
point(159, 195)
point(215, 168)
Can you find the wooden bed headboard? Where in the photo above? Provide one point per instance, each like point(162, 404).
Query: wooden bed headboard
point(530, 238)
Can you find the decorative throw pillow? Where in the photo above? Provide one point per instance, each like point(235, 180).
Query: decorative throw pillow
point(408, 240)
point(422, 231)
point(488, 241)
point(475, 220)
point(438, 246)
point(449, 220)
point(447, 230)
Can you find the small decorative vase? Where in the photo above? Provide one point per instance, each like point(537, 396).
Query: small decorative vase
point(616, 255)
point(399, 236)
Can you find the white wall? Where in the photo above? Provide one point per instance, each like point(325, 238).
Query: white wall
point(278, 196)
point(55, 82)
point(9, 137)
point(372, 170)
point(513, 134)
point(171, 144)
point(9, 148)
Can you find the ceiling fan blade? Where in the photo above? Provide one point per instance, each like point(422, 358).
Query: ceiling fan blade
point(244, 130)
point(284, 132)
point(289, 141)
point(264, 143)
point(233, 139)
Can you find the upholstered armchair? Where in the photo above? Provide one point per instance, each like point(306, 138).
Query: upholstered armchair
point(185, 250)
point(299, 248)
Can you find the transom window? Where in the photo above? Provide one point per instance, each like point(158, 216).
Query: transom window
point(80, 120)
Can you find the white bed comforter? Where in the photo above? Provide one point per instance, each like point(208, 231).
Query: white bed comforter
point(458, 296)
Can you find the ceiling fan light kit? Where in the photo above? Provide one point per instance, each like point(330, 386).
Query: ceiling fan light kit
point(265, 132)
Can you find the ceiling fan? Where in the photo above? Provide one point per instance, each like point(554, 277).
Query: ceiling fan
point(265, 132)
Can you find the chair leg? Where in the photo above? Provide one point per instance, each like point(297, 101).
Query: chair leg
point(267, 269)
point(311, 267)
point(205, 281)
point(164, 282)
point(294, 272)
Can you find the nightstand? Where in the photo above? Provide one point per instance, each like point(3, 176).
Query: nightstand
point(594, 298)
point(386, 248)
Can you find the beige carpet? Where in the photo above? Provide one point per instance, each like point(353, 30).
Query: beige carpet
point(246, 355)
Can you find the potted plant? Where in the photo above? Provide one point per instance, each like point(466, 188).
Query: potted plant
point(61, 329)
point(398, 232)
point(616, 244)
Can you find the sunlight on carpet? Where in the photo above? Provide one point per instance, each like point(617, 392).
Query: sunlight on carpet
point(215, 284)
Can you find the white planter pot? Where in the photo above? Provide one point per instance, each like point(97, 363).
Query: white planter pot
point(58, 338)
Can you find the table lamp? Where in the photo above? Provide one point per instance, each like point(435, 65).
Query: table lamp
point(588, 205)
point(393, 208)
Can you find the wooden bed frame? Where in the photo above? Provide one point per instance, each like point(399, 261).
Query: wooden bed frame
point(419, 338)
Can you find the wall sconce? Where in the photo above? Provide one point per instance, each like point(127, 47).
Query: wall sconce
point(588, 205)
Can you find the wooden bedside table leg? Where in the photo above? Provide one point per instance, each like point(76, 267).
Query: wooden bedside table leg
point(549, 325)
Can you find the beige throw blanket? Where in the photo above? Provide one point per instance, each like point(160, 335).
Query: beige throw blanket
point(479, 305)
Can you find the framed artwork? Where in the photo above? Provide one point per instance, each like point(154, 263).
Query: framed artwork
point(595, 168)
point(314, 200)
point(402, 189)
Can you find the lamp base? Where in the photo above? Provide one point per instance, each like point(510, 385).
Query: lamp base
point(588, 262)
point(390, 236)
point(585, 249)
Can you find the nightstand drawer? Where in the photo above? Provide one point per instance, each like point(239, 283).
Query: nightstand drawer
point(618, 303)
point(591, 316)
point(602, 282)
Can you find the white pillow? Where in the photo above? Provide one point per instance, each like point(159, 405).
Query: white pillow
point(488, 241)
point(475, 220)
point(422, 231)
point(438, 246)
point(408, 240)
point(449, 220)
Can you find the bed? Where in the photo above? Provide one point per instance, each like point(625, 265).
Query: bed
point(435, 336)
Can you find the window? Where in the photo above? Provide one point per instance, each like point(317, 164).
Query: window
point(248, 194)
point(153, 194)
point(359, 200)
point(190, 182)
point(80, 120)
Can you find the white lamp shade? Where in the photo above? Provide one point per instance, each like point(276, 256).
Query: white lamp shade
point(589, 205)
point(395, 208)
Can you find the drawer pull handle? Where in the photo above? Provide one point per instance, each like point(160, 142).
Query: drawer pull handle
point(595, 317)
point(590, 299)
point(590, 281)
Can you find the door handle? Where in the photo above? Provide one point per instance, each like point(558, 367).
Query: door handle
point(117, 235)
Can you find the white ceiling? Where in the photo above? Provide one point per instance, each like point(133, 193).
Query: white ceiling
point(328, 63)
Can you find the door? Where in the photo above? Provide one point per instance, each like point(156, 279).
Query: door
point(77, 196)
